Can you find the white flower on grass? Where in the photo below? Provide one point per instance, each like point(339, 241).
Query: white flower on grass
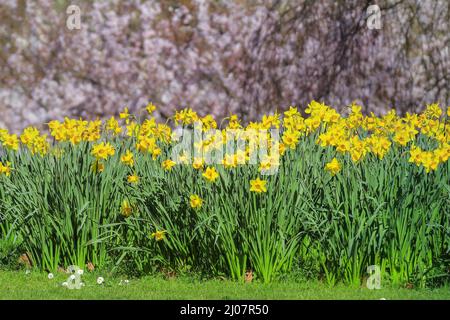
point(122, 282)
point(100, 280)
point(65, 284)
point(50, 275)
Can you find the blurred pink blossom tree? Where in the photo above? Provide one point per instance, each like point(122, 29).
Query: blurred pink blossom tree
point(245, 57)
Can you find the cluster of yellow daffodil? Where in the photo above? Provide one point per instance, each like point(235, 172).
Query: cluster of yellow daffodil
point(344, 134)
point(35, 142)
point(9, 141)
point(356, 135)
point(75, 131)
point(134, 178)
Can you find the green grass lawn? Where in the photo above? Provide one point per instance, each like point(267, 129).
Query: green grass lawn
point(36, 285)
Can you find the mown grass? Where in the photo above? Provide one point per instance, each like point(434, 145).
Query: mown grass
point(36, 285)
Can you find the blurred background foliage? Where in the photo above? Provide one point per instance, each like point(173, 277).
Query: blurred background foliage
point(245, 57)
